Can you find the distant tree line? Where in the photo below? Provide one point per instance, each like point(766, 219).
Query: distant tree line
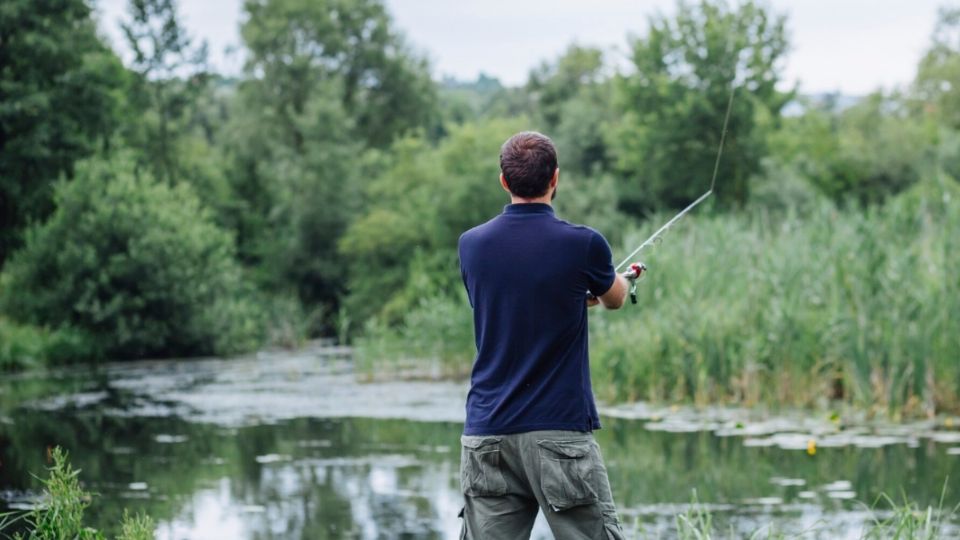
point(159, 208)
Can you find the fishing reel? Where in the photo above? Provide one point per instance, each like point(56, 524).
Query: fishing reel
point(633, 274)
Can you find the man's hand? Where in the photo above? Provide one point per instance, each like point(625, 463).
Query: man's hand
point(614, 298)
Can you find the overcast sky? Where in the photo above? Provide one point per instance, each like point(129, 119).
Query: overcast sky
point(850, 46)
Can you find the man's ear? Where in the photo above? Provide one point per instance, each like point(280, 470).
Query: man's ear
point(555, 179)
point(503, 183)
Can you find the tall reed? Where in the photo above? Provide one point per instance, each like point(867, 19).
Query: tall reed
point(856, 306)
point(804, 308)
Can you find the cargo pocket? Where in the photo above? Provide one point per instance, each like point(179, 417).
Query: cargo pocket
point(611, 526)
point(568, 473)
point(480, 474)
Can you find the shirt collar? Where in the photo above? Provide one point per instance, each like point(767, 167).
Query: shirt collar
point(528, 208)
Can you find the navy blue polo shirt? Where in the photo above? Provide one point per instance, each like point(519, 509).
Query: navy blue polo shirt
point(527, 274)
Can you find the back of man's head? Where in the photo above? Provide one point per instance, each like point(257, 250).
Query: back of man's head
point(528, 161)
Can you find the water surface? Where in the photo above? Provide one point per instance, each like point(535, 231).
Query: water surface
point(289, 445)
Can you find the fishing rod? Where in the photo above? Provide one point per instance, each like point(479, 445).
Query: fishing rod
point(636, 269)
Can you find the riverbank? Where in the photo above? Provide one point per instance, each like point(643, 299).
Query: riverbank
point(277, 385)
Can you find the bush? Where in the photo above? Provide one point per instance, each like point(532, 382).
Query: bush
point(436, 335)
point(23, 346)
point(20, 346)
point(137, 266)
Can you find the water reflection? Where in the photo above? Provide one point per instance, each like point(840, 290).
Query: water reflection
point(366, 478)
point(279, 477)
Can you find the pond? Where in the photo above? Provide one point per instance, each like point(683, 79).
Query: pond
point(290, 445)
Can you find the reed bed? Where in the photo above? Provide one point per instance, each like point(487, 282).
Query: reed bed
point(815, 308)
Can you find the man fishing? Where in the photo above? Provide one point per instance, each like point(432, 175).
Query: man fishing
point(527, 444)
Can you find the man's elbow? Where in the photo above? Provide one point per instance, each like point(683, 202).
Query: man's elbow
point(617, 295)
point(615, 303)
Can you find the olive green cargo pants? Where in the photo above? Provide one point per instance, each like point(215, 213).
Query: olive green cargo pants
point(506, 479)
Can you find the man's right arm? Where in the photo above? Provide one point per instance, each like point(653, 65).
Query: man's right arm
point(463, 272)
point(617, 295)
point(599, 271)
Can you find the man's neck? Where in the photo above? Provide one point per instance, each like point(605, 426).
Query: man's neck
point(541, 200)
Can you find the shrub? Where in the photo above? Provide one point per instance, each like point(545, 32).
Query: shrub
point(436, 334)
point(20, 346)
point(136, 265)
point(24, 346)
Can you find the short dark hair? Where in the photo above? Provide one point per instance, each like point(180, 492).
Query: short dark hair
point(527, 161)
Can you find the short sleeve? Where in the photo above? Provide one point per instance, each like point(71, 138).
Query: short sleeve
point(600, 271)
point(463, 271)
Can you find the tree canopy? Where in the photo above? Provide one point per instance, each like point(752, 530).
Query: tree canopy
point(674, 99)
point(331, 178)
point(61, 91)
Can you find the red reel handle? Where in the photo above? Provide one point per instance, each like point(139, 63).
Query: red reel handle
point(634, 271)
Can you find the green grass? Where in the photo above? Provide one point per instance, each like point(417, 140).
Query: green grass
point(904, 521)
point(59, 514)
point(809, 308)
point(908, 521)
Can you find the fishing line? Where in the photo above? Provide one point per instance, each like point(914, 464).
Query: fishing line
point(713, 182)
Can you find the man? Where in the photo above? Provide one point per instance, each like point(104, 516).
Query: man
point(527, 443)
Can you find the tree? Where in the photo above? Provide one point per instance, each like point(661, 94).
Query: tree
point(171, 75)
point(58, 103)
point(938, 77)
point(403, 245)
point(297, 46)
point(571, 101)
point(135, 264)
point(862, 154)
point(326, 82)
point(294, 200)
point(177, 107)
point(314, 194)
point(673, 102)
point(469, 101)
point(552, 84)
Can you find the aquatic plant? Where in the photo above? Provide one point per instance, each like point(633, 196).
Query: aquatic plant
point(59, 514)
point(798, 309)
point(908, 521)
point(904, 521)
